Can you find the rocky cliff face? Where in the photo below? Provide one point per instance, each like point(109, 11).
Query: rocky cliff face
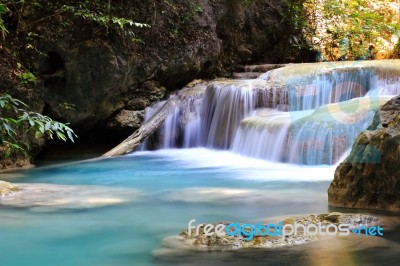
point(370, 176)
point(87, 74)
point(90, 75)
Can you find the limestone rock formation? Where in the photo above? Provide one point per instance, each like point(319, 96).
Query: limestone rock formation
point(95, 74)
point(370, 177)
point(203, 242)
point(127, 119)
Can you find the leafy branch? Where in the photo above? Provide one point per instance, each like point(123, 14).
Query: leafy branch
point(18, 122)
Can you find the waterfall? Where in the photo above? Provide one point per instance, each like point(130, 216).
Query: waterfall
point(264, 134)
point(182, 128)
point(329, 88)
point(225, 104)
point(302, 114)
point(311, 91)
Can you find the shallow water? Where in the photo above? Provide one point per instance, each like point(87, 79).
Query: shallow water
point(162, 191)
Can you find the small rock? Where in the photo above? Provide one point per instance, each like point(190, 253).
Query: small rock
point(333, 217)
point(127, 119)
point(7, 188)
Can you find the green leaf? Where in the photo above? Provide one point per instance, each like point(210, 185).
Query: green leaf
point(61, 136)
point(38, 134)
point(8, 152)
point(3, 8)
point(12, 121)
point(69, 133)
point(47, 126)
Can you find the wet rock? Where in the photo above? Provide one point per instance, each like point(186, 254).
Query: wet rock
point(320, 137)
point(244, 53)
point(246, 75)
point(49, 197)
point(138, 104)
point(7, 188)
point(370, 176)
point(94, 74)
point(127, 119)
point(333, 217)
point(263, 68)
point(202, 242)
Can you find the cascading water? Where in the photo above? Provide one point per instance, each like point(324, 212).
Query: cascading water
point(225, 104)
point(334, 87)
point(182, 127)
point(264, 134)
point(318, 136)
point(314, 112)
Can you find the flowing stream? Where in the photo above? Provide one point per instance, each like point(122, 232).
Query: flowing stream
point(302, 114)
point(234, 150)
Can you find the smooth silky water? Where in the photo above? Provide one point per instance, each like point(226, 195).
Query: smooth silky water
point(169, 188)
point(134, 202)
point(174, 187)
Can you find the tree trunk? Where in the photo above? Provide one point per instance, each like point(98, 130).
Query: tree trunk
point(147, 129)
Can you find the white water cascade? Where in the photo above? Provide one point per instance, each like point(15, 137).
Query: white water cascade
point(224, 106)
point(303, 114)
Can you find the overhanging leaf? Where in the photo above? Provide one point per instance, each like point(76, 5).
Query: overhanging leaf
point(3, 8)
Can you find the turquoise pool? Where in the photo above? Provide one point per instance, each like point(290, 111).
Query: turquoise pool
point(153, 195)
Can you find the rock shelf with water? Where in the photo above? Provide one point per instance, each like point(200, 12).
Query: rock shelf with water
point(201, 242)
point(369, 177)
point(7, 188)
point(306, 137)
point(209, 114)
point(51, 197)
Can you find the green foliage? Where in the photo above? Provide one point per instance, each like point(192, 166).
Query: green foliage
point(196, 8)
point(27, 78)
point(16, 121)
point(180, 17)
point(342, 29)
point(348, 29)
point(100, 12)
point(3, 9)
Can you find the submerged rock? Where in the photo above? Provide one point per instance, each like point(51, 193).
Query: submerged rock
point(7, 188)
point(51, 197)
point(202, 242)
point(370, 177)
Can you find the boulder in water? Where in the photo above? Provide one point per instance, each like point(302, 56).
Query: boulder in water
point(370, 177)
point(203, 242)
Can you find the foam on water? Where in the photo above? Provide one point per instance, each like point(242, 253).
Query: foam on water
point(243, 167)
point(221, 113)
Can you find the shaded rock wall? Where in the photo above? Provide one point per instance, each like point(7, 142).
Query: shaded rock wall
point(89, 75)
point(370, 177)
